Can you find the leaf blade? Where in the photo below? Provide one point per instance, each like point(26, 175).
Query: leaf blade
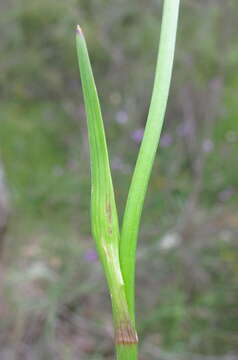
point(140, 179)
point(104, 217)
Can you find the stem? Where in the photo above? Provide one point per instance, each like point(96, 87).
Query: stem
point(127, 352)
point(148, 149)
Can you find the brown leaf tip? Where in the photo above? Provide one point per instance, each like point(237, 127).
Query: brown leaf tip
point(79, 30)
point(126, 335)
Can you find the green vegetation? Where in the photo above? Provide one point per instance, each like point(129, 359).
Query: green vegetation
point(118, 253)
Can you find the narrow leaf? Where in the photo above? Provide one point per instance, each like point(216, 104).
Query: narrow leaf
point(148, 148)
point(103, 208)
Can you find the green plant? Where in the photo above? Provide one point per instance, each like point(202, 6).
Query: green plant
point(117, 250)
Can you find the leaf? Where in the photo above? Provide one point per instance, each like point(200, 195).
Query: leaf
point(103, 208)
point(139, 184)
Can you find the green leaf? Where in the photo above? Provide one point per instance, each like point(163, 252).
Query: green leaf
point(139, 184)
point(103, 208)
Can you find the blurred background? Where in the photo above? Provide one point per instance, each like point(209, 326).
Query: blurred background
point(53, 298)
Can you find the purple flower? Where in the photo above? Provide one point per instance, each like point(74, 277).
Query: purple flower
point(166, 140)
point(91, 255)
point(207, 145)
point(137, 135)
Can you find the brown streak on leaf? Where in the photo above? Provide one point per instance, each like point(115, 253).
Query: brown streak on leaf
point(109, 212)
point(126, 334)
point(109, 215)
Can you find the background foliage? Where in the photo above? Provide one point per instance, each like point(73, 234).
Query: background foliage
point(54, 302)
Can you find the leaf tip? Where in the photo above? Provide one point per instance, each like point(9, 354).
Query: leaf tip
point(79, 31)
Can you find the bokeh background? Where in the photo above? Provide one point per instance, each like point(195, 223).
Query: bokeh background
point(53, 298)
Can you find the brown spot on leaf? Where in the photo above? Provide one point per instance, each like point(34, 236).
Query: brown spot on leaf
point(126, 334)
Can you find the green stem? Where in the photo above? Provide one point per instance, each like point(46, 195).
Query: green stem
point(148, 149)
point(129, 352)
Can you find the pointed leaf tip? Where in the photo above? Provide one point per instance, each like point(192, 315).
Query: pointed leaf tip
point(79, 30)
